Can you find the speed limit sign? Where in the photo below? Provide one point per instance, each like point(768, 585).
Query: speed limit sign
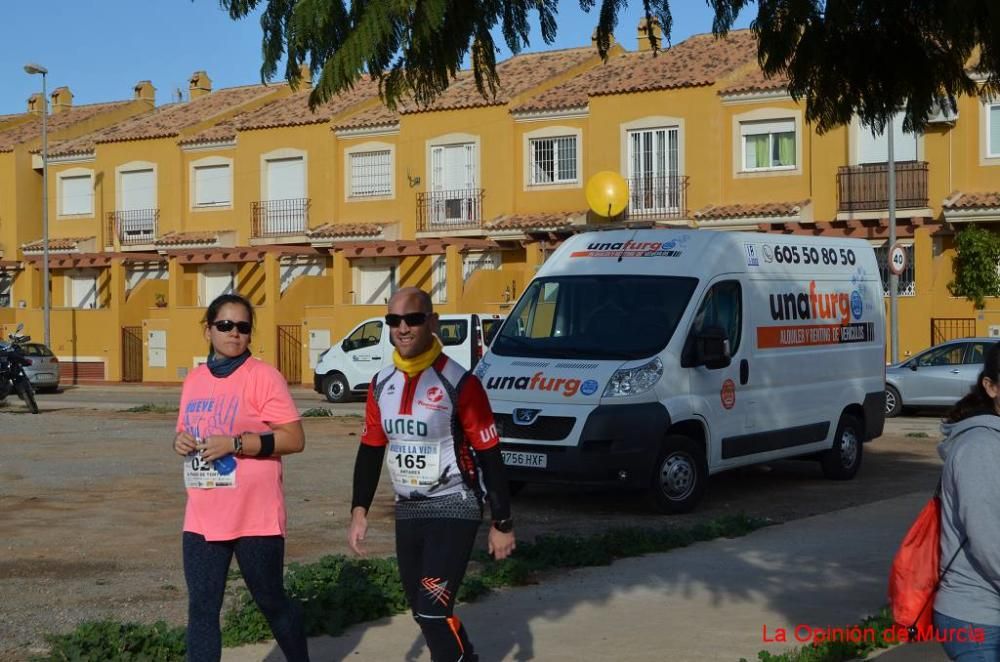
point(897, 259)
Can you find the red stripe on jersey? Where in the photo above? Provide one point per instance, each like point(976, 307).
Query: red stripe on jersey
point(372, 433)
point(476, 415)
point(409, 389)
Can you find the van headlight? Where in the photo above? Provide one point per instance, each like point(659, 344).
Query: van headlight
point(633, 381)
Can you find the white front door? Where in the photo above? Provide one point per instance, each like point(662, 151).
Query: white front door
point(83, 289)
point(286, 191)
point(375, 281)
point(654, 170)
point(137, 208)
point(454, 182)
point(216, 282)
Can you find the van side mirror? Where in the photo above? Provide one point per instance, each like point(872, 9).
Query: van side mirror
point(912, 366)
point(346, 346)
point(711, 348)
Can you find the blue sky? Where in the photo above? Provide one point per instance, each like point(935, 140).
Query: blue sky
point(101, 48)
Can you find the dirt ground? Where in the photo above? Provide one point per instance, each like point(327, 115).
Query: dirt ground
point(91, 505)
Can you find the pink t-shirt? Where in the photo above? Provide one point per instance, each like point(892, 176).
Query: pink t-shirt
point(246, 401)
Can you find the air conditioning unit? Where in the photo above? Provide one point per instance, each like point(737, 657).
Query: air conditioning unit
point(994, 331)
point(942, 112)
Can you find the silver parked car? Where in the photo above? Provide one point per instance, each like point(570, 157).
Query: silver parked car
point(44, 369)
point(936, 377)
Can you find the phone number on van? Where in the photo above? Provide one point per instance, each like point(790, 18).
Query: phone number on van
point(808, 255)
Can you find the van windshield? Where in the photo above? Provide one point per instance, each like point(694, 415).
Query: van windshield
point(595, 317)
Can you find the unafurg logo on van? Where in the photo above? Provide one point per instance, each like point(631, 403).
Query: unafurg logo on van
point(539, 382)
point(673, 248)
point(816, 305)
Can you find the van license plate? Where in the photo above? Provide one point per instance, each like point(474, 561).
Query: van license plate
point(520, 459)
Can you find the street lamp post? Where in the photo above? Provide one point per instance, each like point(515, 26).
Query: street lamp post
point(32, 69)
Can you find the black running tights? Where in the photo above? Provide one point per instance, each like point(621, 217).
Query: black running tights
point(261, 560)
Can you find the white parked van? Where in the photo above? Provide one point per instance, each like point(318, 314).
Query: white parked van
point(346, 369)
point(654, 358)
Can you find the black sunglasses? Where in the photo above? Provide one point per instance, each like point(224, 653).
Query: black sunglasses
point(225, 326)
point(411, 319)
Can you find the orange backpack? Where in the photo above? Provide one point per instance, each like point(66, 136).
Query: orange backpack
point(915, 574)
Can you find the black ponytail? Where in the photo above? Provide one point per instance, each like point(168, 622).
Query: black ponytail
point(978, 401)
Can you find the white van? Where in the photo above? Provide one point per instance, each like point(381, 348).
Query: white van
point(346, 368)
point(654, 358)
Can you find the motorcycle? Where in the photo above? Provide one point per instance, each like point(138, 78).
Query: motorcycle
point(12, 376)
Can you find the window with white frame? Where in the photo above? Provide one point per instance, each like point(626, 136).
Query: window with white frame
point(439, 279)
point(82, 290)
point(553, 160)
point(768, 144)
point(874, 148)
point(374, 280)
point(213, 185)
point(6, 282)
point(483, 261)
point(371, 174)
point(993, 129)
point(907, 279)
point(76, 195)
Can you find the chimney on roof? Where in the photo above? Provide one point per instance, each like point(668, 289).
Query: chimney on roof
point(144, 91)
point(35, 103)
point(62, 99)
point(200, 85)
point(593, 39)
point(643, 38)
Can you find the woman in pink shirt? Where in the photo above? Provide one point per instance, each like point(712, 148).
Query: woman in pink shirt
point(236, 419)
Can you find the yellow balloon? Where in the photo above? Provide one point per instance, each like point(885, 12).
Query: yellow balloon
point(607, 193)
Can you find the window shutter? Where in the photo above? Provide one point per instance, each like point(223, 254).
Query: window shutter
point(77, 195)
point(212, 185)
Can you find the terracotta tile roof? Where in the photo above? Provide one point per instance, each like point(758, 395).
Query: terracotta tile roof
point(696, 61)
point(61, 244)
point(187, 238)
point(754, 210)
point(373, 117)
point(221, 132)
point(755, 81)
point(169, 121)
point(976, 200)
point(541, 221)
point(294, 110)
point(32, 129)
point(517, 75)
point(345, 230)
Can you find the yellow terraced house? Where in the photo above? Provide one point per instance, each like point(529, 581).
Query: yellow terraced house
point(318, 216)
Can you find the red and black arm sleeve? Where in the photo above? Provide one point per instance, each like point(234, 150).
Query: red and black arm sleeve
point(480, 430)
point(368, 463)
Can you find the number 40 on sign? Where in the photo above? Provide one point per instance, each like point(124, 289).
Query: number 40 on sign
point(897, 259)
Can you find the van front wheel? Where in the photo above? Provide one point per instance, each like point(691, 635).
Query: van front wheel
point(679, 479)
point(335, 388)
point(843, 460)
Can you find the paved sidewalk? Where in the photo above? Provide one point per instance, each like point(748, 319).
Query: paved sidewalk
point(710, 601)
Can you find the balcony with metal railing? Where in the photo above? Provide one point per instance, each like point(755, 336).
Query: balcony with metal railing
point(444, 211)
point(864, 188)
point(656, 198)
point(133, 227)
point(280, 218)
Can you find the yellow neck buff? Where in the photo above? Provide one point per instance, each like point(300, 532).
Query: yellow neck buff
point(418, 363)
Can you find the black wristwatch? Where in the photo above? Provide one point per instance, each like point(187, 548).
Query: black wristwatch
point(503, 525)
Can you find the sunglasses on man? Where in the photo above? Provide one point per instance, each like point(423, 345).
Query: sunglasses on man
point(411, 319)
point(225, 326)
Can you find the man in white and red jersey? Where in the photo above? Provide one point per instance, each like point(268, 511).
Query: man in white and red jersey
point(444, 458)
